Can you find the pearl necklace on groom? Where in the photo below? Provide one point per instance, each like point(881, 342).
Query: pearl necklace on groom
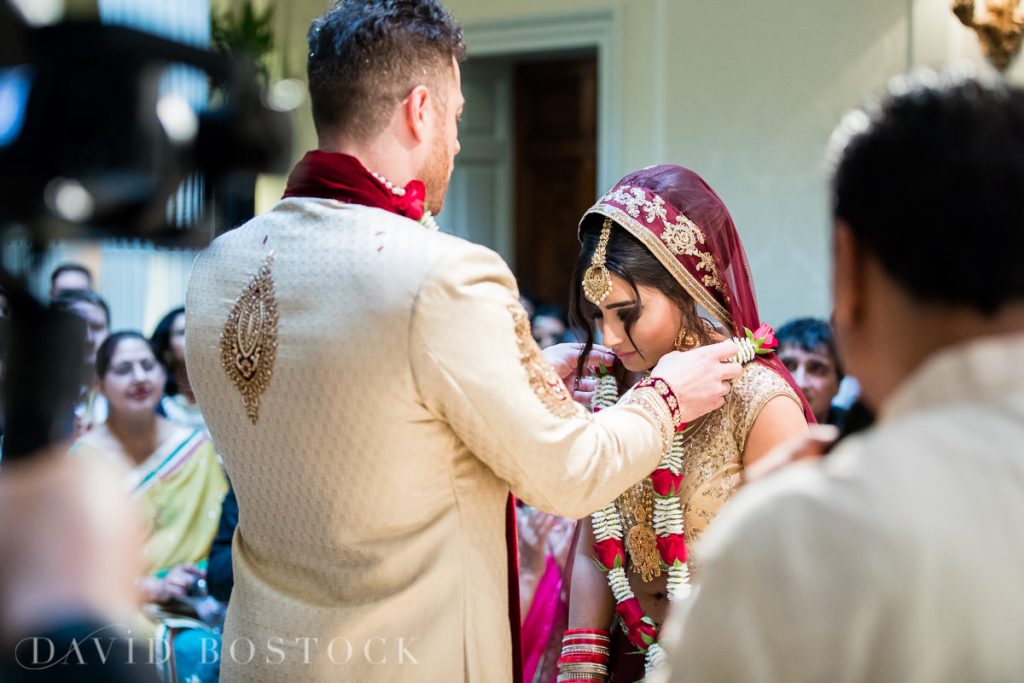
point(426, 220)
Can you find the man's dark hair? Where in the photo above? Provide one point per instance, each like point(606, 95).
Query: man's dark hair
point(811, 335)
point(160, 342)
point(67, 299)
point(931, 180)
point(366, 55)
point(69, 266)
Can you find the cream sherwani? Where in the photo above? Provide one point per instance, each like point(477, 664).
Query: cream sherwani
point(404, 400)
point(900, 557)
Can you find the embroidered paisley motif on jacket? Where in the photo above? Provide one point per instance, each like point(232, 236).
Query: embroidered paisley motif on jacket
point(248, 344)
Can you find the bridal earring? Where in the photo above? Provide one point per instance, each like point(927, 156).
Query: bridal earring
point(686, 339)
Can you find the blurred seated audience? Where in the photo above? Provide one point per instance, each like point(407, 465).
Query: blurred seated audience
point(174, 476)
point(91, 409)
point(68, 276)
point(178, 403)
point(808, 350)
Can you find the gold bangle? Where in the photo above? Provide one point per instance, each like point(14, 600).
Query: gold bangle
point(583, 667)
point(582, 649)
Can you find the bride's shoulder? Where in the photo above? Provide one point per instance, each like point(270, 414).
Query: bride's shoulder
point(752, 389)
point(758, 379)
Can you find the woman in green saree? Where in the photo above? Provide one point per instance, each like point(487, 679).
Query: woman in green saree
point(177, 483)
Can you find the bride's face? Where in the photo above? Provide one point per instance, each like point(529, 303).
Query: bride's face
point(654, 332)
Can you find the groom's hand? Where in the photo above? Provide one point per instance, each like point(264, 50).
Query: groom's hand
point(563, 357)
point(700, 378)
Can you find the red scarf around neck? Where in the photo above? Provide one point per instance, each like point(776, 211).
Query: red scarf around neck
point(333, 175)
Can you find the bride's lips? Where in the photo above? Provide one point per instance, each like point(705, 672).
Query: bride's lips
point(625, 356)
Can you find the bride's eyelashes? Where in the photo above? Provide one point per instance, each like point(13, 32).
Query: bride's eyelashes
point(622, 313)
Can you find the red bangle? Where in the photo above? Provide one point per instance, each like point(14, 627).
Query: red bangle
point(590, 631)
point(585, 655)
point(668, 396)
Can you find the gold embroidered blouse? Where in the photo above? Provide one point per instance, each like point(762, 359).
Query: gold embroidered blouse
point(714, 450)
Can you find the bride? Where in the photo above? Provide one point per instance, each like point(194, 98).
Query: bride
point(661, 268)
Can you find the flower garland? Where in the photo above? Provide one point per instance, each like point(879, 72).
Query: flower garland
point(427, 221)
point(667, 483)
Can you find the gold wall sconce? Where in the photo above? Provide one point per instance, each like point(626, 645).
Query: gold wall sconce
point(1000, 28)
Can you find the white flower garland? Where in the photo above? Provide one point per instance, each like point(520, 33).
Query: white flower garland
point(668, 520)
point(427, 221)
point(668, 511)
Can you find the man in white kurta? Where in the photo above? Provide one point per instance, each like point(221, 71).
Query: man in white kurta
point(899, 556)
point(896, 558)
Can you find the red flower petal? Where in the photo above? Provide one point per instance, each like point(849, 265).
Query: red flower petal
point(610, 553)
point(665, 483)
point(630, 611)
point(672, 548)
point(413, 203)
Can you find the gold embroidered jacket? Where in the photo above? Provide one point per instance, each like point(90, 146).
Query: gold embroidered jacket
point(375, 394)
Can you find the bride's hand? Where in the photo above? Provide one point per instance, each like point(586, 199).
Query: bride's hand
point(563, 357)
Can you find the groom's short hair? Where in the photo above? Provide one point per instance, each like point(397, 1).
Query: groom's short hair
point(366, 55)
point(931, 181)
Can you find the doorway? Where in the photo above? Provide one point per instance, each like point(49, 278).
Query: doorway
point(528, 165)
point(555, 170)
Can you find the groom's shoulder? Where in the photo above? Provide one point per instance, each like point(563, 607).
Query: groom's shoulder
point(364, 243)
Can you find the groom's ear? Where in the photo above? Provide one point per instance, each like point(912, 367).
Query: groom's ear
point(418, 112)
point(847, 278)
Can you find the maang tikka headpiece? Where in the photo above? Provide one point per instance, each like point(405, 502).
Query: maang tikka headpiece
point(597, 281)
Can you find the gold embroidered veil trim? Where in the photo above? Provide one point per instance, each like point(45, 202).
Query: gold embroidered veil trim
point(248, 343)
point(668, 259)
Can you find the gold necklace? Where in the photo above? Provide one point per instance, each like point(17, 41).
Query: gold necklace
point(636, 508)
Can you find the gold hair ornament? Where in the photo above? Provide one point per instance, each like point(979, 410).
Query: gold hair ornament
point(597, 281)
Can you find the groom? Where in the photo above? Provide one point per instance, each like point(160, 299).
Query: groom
point(376, 394)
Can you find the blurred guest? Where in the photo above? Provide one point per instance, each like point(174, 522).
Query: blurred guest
point(544, 541)
point(898, 557)
point(808, 350)
point(220, 576)
point(549, 326)
point(5, 322)
point(179, 403)
point(67, 573)
point(527, 304)
point(90, 306)
point(175, 478)
point(68, 276)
